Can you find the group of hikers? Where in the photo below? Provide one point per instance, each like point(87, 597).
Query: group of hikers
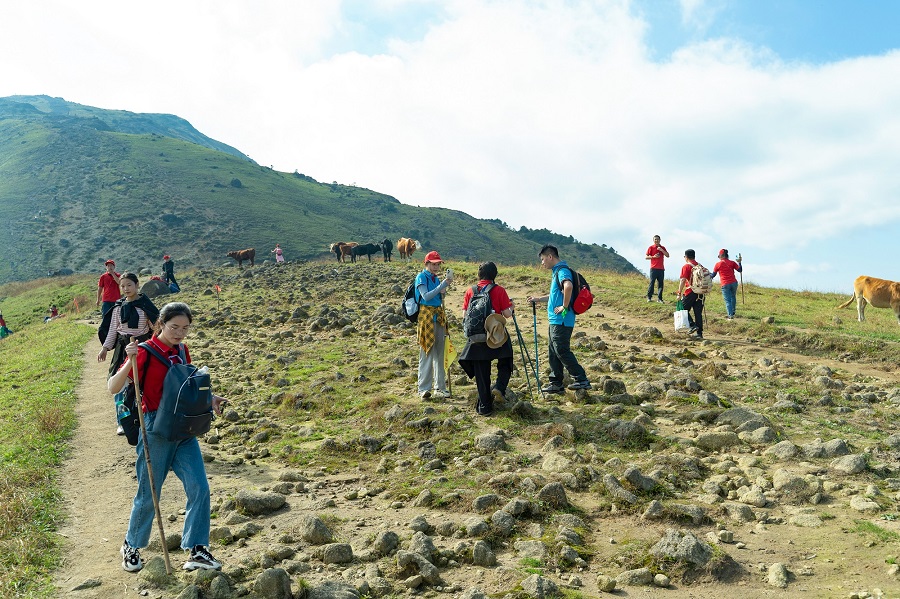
point(493, 343)
point(692, 299)
point(148, 341)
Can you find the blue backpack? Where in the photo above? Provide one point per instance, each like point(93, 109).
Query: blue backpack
point(185, 409)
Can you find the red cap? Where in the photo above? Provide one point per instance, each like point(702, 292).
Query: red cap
point(113, 262)
point(722, 252)
point(433, 257)
point(166, 257)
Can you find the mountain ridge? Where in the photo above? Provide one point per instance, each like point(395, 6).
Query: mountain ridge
point(79, 185)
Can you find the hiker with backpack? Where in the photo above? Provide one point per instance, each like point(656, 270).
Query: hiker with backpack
point(169, 274)
point(561, 316)
point(727, 268)
point(695, 283)
point(486, 307)
point(131, 316)
point(431, 329)
point(182, 457)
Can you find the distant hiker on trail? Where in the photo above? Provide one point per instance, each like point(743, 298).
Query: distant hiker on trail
point(132, 316)
point(562, 323)
point(431, 330)
point(279, 255)
point(476, 357)
point(4, 331)
point(53, 313)
point(656, 253)
point(689, 299)
point(729, 283)
point(169, 271)
point(181, 457)
point(108, 288)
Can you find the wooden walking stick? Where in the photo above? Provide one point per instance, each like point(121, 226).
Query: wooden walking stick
point(741, 274)
point(137, 402)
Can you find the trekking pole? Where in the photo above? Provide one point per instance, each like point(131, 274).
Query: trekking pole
point(537, 365)
point(525, 364)
point(524, 346)
point(138, 401)
point(741, 275)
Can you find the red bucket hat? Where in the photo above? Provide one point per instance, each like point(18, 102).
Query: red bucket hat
point(433, 257)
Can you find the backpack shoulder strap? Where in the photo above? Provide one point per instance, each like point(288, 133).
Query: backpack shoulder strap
point(155, 353)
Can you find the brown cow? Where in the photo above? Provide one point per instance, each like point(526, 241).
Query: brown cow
point(241, 255)
point(343, 249)
point(406, 247)
point(878, 292)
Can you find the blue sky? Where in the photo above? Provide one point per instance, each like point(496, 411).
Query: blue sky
point(769, 128)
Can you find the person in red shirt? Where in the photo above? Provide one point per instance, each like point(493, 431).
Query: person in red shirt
point(729, 283)
point(689, 299)
point(181, 457)
point(108, 288)
point(656, 253)
point(476, 357)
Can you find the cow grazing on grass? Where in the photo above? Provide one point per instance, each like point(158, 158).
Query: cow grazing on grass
point(407, 246)
point(386, 248)
point(878, 292)
point(241, 255)
point(367, 249)
point(343, 249)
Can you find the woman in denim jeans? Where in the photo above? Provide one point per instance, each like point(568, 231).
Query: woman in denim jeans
point(181, 457)
point(727, 268)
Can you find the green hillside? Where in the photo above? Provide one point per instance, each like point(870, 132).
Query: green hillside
point(80, 184)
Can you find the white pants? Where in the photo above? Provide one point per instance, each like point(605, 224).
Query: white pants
point(431, 365)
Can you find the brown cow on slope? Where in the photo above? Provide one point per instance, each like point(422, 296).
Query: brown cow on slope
point(343, 249)
point(407, 246)
point(878, 292)
point(241, 255)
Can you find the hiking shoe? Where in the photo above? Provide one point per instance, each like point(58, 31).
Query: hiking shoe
point(131, 558)
point(120, 431)
point(499, 398)
point(660, 301)
point(552, 388)
point(578, 385)
point(441, 394)
point(697, 336)
point(202, 559)
point(425, 394)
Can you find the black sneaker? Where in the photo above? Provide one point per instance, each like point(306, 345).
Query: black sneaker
point(131, 558)
point(552, 388)
point(201, 558)
point(578, 385)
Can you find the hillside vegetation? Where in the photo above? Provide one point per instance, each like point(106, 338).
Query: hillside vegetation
point(79, 185)
point(768, 449)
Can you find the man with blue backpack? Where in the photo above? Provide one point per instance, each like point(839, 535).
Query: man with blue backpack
point(561, 317)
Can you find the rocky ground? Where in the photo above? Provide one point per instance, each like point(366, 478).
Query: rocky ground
point(722, 468)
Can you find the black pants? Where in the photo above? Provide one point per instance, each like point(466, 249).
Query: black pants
point(482, 370)
point(694, 303)
point(657, 275)
point(169, 277)
point(561, 355)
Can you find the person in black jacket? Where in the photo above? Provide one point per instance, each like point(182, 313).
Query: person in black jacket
point(169, 270)
point(131, 316)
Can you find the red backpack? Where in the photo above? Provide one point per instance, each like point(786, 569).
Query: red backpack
point(582, 298)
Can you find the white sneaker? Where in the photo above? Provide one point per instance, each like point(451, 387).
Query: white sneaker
point(441, 394)
point(131, 558)
point(202, 559)
point(425, 394)
point(120, 431)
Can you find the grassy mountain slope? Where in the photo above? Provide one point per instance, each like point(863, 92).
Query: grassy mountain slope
point(80, 187)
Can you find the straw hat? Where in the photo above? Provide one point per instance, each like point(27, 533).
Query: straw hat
point(495, 327)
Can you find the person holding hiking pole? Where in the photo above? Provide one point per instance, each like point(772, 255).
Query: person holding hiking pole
point(181, 457)
point(562, 323)
point(488, 344)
